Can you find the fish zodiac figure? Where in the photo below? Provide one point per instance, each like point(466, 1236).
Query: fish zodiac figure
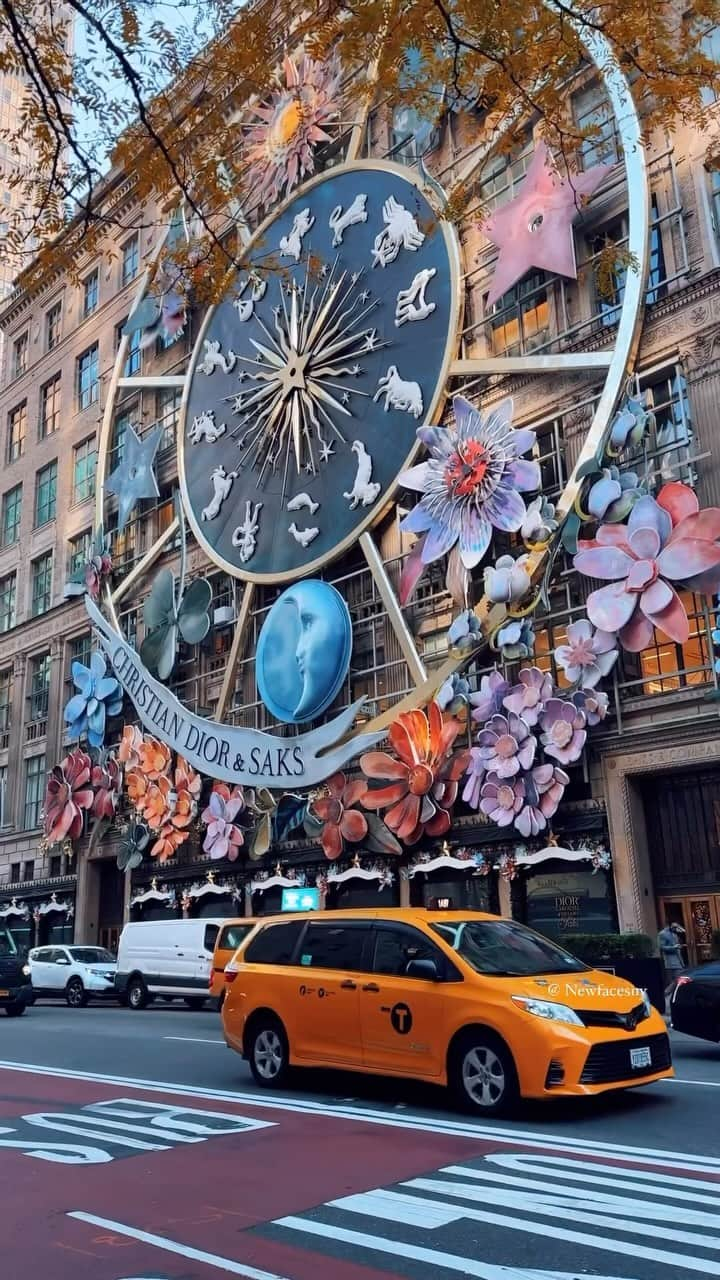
point(214, 359)
point(205, 428)
point(400, 394)
point(363, 492)
point(291, 244)
point(411, 303)
point(303, 536)
point(245, 536)
point(339, 221)
point(222, 484)
point(401, 231)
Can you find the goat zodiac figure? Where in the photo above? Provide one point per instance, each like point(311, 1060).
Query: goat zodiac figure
point(400, 394)
point(214, 359)
point(401, 231)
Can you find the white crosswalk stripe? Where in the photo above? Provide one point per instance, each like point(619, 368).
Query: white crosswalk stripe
point(578, 1207)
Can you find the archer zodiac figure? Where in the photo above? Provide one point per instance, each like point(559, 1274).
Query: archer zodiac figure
point(339, 221)
point(401, 231)
point(363, 492)
point(214, 359)
point(245, 536)
point(400, 394)
point(291, 244)
point(222, 484)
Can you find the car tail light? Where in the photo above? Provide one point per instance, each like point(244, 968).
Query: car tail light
point(231, 975)
point(682, 981)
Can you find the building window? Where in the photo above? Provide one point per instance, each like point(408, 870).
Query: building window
point(46, 493)
point(39, 696)
point(617, 234)
point(55, 865)
point(84, 462)
point(90, 293)
point(502, 176)
point(20, 350)
point(520, 321)
point(41, 584)
point(168, 412)
point(88, 377)
point(79, 551)
point(53, 326)
point(130, 259)
point(29, 866)
point(133, 360)
point(7, 602)
point(17, 430)
point(34, 791)
point(407, 123)
point(14, 872)
point(711, 48)
point(50, 407)
point(4, 800)
point(594, 116)
point(11, 512)
point(79, 650)
point(6, 695)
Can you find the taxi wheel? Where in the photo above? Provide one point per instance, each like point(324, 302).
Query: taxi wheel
point(75, 994)
point(482, 1073)
point(268, 1053)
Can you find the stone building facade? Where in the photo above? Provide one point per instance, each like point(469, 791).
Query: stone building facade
point(649, 788)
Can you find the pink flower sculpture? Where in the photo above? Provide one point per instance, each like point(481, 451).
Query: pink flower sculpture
point(528, 698)
point(489, 701)
point(593, 702)
point(223, 839)
point(340, 820)
point(502, 799)
point(506, 746)
point(106, 782)
point(68, 793)
point(667, 540)
point(563, 730)
point(588, 655)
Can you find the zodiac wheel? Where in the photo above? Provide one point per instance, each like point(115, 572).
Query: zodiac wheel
point(336, 339)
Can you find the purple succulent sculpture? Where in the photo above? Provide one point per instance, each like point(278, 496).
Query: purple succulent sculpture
point(472, 482)
point(507, 746)
point(613, 496)
point(588, 656)
point(465, 633)
point(666, 540)
point(593, 702)
point(489, 701)
point(528, 698)
point(508, 580)
point(563, 730)
point(516, 639)
point(473, 778)
point(502, 799)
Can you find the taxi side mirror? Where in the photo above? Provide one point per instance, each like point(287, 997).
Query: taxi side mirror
point(426, 969)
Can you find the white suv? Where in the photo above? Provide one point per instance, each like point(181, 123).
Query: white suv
point(77, 973)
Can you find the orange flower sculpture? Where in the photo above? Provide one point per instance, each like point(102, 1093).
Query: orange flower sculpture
point(170, 808)
point(340, 821)
point(137, 786)
point(423, 775)
point(154, 758)
point(129, 748)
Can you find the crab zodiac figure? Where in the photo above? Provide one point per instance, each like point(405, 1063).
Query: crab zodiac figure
point(400, 394)
point(214, 359)
point(291, 244)
point(363, 492)
point(401, 231)
point(222, 484)
point(204, 427)
point(245, 536)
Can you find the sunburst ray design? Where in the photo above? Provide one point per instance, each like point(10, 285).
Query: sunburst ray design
point(279, 149)
point(300, 383)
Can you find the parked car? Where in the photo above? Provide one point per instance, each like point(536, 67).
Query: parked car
point(695, 1002)
point(232, 934)
point(15, 987)
point(166, 958)
point(77, 973)
point(476, 1002)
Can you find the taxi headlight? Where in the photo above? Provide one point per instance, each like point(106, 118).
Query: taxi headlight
point(548, 1009)
point(647, 1004)
point(26, 970)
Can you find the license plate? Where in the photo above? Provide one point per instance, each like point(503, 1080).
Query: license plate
point(641, 1057)
point(4, 993)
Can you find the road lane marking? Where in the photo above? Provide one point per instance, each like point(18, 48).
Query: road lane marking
point(194, 1040)
point(475, 1131)
point(172, 1246)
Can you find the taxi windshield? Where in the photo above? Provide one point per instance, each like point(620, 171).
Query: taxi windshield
point(506, 949)
point(7, 943)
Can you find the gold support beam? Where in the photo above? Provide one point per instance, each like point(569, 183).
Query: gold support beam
point(394, 612)
point(236, 650)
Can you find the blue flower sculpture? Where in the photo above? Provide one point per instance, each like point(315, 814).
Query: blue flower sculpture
point(99, 696)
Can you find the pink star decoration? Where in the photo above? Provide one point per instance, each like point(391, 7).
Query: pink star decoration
point(535, 229)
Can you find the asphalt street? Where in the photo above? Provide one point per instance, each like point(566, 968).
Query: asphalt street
point(174, 1166)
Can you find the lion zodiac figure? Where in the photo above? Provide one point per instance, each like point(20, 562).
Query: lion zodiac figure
point(401, 231)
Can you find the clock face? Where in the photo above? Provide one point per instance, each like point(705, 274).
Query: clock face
point(309, 380)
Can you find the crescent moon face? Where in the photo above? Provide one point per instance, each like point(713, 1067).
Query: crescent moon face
point(304, 651)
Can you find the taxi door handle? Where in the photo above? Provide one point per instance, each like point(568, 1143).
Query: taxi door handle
point(371, 986)
point(349, 985)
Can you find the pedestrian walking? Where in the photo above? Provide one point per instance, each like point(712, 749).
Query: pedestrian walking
point(671, 955)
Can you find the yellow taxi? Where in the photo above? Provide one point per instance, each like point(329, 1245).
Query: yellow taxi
point(230, 936)
point(460, 998)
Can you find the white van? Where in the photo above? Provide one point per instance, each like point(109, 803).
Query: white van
point(166, 958)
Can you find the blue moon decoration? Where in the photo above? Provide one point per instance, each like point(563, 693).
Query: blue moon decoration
point(303, 651)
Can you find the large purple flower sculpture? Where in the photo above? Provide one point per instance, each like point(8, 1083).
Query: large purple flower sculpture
point(563, 730)
point(588, 655)
point(667, 540)
point(528, 698)
point(472, 482)
point(544, 787)
point(490, 699)
point(506, 746)
point(502, 799)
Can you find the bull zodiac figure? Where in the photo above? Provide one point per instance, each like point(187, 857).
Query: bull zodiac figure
point(400, 394)
point(401, 231)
